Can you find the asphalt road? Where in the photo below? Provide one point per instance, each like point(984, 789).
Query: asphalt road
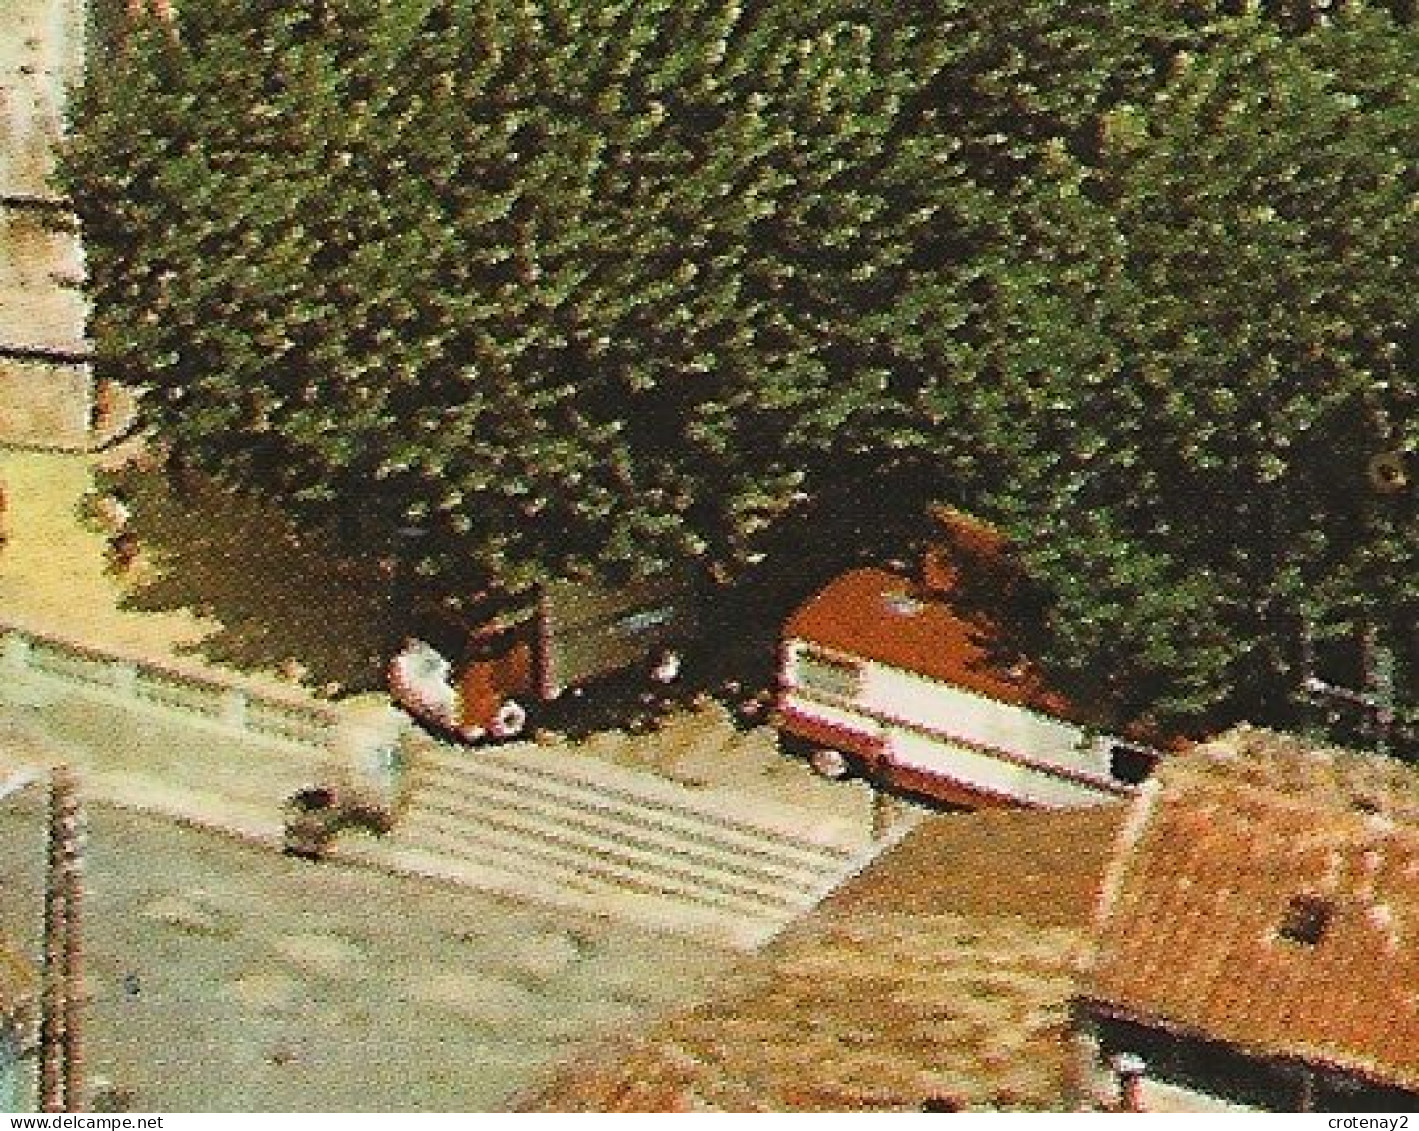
point(229, 978)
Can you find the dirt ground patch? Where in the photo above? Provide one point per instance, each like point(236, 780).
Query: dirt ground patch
point(287, 616)
point(278, 600)
point(52, 570)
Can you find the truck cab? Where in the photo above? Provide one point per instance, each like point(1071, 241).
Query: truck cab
point(477, 668)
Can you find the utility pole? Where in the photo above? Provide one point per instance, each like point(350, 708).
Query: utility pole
point(62, 1022)
point(71, 827)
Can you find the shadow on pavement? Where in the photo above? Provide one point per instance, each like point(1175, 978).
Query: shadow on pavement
point(285, 601)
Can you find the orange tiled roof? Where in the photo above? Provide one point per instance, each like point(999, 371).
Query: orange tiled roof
point(1232, 846)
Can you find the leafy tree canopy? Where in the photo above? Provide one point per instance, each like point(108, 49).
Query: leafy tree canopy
point(568, 285)
point(616, 286)
point(1190, 417)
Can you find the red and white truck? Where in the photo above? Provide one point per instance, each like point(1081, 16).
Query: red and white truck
point(904, 677)
point(477, 669)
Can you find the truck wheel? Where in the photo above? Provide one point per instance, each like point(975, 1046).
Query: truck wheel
point(510, 721)
point(829, 763)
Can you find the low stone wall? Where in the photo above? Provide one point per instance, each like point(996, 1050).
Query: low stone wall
point(200, 694)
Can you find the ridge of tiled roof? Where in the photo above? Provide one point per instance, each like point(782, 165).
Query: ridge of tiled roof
point(1287, 764)
point(1268, 896)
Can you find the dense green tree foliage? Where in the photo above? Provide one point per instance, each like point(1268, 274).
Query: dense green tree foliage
point(1198, 410)
point(564, 284)
point(616, 286)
